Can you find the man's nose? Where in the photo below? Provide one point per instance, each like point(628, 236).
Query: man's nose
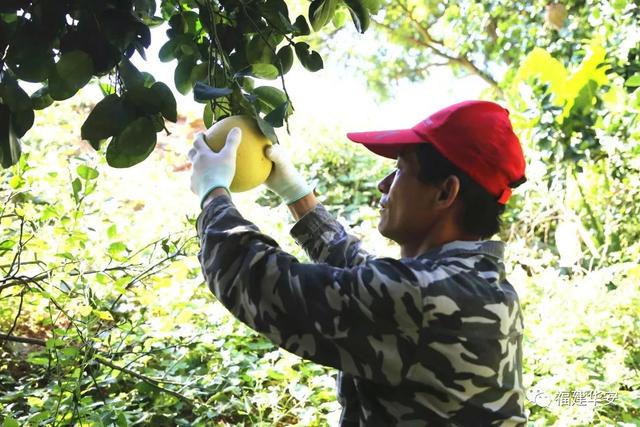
point(385, 183)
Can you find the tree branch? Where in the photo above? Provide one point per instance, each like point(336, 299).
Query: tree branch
point(24, 340)
point(11, 281)
point(437, 46)
point(102, 360)
point(151, 381)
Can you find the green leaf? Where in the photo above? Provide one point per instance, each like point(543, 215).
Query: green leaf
point(207, 115)
point(339, 18)
point(7, 245)
point(13, 95)
point(177, 23)
point(158, 122)
point(76, 185)
point(22, 121)
point(133, 145)
point(116, 248)
point(300, 27)
point(9, 142)
point(186, 46)
point(247, 83)
point(169, 107)
point(200, 72)
point(96, 143)
point(267, 129)
point(168, 51)
point(75, 68)
point(70, 352)
point(204, 92)
point(106, 88)
point(633, 81)
point(143, 100)
point(86, 172)
point(52, 343)
point(10, 422)
point(191, 22)
point(112, 231)
point(321, 12)
point(264, 71)
point(108, 118)
point(121, 419)
point(314, 62)
point(144, 8)
point(130, 75)
point(276, 13)
point(221, 111)
point(285, 58)
point(276, 117)
point(182, 75)
point(58, 88)
point(310, 60)
point(148, 79)
point(41, 99)
point(269, 98)
point(35, 359)
point(359, 14)
point(30, 57)
point(103, 314)
point(258, 50)
point(18, 103)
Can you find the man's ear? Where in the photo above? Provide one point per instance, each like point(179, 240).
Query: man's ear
point(449, 189)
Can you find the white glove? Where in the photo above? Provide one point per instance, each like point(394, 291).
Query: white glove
point(213, 170)
point(284, 179)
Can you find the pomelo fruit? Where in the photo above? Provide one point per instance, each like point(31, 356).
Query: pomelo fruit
point(252, 166)
point(555, 16)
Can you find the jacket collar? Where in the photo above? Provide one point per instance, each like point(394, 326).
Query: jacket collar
point(491, 248)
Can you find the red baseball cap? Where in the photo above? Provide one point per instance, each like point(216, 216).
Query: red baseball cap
point(476, 136)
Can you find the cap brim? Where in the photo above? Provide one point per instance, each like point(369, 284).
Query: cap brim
point(387, 143)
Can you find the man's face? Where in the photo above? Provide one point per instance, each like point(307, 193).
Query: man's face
point(407, 205)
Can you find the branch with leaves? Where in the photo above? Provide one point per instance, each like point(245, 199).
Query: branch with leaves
point(223, 50)
point(427, 41)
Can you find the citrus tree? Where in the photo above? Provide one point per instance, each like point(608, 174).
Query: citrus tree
point(223, 50)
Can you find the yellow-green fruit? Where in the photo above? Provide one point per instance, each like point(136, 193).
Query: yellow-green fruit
point(556, 15)
point(252, 166)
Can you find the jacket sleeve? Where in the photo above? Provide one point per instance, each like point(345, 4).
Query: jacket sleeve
point(324, 239)
point(356, 319)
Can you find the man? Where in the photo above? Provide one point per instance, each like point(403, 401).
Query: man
point(433, 338)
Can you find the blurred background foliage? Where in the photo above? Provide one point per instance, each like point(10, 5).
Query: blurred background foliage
point(103, 314)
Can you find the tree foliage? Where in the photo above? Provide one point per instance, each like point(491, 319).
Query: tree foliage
point(223, 48)
point(490, 38)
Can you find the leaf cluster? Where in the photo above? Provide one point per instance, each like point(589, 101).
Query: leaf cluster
point(222, 48)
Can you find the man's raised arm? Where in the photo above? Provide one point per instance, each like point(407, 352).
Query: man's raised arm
point(322, 237)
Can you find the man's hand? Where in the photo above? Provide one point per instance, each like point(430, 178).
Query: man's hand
point(284, 179)
point(213, 170)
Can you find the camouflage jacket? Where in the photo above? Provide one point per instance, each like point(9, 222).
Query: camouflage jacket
point(433, 340)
